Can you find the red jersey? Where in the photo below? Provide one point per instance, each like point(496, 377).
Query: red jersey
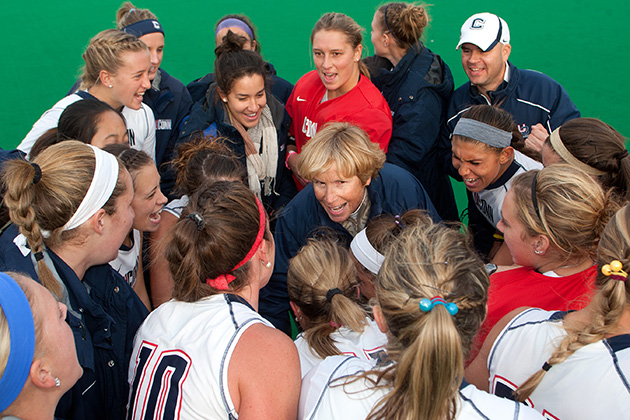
point(364, 106)
point(523, 286)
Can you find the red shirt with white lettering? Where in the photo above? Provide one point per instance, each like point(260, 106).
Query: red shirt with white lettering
point(364, 106)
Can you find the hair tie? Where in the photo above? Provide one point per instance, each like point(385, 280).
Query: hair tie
point(398, 222)
point(334, 324)
point(427, 305)
point(332, 292)
point(38, 256)
point(546, 366)
point(621, 155)
point(196, 217)
point(38, 173)
point(221, 281)
point(534, 197)
point(19, 316)
point(614, 271)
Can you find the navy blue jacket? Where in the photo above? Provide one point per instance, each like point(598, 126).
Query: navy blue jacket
point(170, 106)
point(530, 96)
point(280, 88)
point(208, 117)
point(418, 91)
point(104, 321)
point(392, 191)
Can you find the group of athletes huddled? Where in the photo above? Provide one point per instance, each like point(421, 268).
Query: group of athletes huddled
point(242, 247)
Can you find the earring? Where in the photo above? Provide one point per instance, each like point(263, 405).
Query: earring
point(384, 44)
point(225, 100)
point(57, 382)
point(537, 252)
point(268, 265)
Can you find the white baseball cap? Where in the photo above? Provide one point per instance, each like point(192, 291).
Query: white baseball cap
point(484, 30)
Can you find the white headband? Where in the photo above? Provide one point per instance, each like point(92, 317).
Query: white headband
point(101, 188)
point(365, 253)
point(563, 152)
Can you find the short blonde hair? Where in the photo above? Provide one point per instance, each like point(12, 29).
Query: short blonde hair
point(345, 145)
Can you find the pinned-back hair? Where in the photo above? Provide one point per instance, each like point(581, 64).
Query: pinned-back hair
point(204, 160)
point(608, 303)
point(563, 190)
point(405, 21)
point(501, 119)
point(319, 267)
point(345, 145)
point(600, 146)
point(197, 250)
point(233, 63)
point(105, 51)
point(347, 26)
point(247, 21)
point(79, 121)
point(128, 14)
point(429, 348)
point(67, 170)
point(133, 159)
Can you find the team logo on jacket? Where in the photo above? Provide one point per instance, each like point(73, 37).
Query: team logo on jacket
point(477, 23)
point(525, 130)
point(309, 128)
point(163, 124)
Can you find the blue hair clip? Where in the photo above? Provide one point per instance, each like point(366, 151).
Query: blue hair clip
point(427, 305)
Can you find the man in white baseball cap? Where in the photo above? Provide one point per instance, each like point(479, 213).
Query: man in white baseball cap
point(537, 102)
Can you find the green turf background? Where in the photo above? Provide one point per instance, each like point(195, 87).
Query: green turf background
point(578, 43)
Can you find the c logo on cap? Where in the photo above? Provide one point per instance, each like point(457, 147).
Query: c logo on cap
point(477, 23)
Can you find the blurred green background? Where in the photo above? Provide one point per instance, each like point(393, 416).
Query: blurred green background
point(578, 43)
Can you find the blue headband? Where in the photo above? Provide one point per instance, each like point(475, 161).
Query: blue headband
point(143, 27)
point(19, 317)
point(235, 23)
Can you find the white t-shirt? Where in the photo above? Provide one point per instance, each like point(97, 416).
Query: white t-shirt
point(128, 259)
point(140, 126)
point(592, 383)
point(324, 395)
point(369, 345)
point(176, 206)
point(181, 354)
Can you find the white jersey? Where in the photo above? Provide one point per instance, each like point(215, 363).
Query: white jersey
point(181, 354)
point(140, 126)
point(368, 345)
point(592, 383)
point(324, 395)
point(128, 259)
point(490, 199)
point(175, 207)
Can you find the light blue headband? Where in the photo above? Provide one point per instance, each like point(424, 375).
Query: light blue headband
point(17, 311)
point(482, 132)
point(235, 23)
